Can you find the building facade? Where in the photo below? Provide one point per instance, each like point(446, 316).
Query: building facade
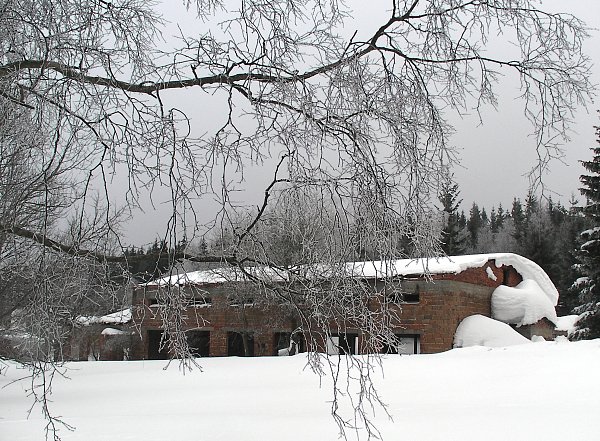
point(222, 318)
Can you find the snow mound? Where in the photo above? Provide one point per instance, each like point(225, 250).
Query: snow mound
point(113, 331)
point(119, 317)
point(479, 330)
point(567, 323)
point(523, 304)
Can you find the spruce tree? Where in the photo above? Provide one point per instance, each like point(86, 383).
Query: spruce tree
point(588, 285)
point(518, 218)
point(493, 221)
point(474, 224)
point(453, 234)
point(501, 216)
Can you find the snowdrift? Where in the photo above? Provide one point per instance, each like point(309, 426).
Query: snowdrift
point(478, 330)
point(516, 393)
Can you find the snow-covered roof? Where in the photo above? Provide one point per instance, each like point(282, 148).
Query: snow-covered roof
point(457, 264)
point(119, 317)
point(379, 269)
point(216, 276)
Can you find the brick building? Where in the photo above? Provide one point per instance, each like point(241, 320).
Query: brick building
point(107, 337)
point(222, 317)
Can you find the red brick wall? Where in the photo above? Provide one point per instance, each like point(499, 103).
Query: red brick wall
point(449, 298)
point(505, 275)
point(445, 300)
point(443, 305)
point(219, 318)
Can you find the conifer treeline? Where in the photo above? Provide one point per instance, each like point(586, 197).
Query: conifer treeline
point(586, 288)
point(153, 261)
point(544, 231)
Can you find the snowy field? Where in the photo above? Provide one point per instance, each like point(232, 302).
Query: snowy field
point(541, 391)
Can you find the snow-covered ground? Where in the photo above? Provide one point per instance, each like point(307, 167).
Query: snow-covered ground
point(542, 391)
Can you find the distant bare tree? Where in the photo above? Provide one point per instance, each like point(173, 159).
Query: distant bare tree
point(355, 125)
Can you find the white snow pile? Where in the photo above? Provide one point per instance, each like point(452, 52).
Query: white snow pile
point(580, 282)
point(567, 323)
point(119, 317)
point(590, 232)
point(469, 394)
point(479, 330)
point(113, 331)
point(523, 304)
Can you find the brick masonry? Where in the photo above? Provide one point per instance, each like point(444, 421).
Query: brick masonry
point(444, 301)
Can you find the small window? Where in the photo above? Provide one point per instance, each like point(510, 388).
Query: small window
point(410, 297)
point(199, 301)
point(404, 297)
point(241, 301)
point(284, 343)
point(342, 344)
point(157, 345)
point(199, 343)
point(240, 344)
point(188, 302)
point(407, 344)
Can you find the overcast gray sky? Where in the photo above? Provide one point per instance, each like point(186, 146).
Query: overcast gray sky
point(494, 158)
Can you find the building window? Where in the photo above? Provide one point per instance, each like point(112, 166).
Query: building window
point(406, 344)
point(284, 343)
point(199, 343)
point(189, 302)
point(198, 301)
point(245, 300)
point(240, 344)
point(342, 344)
point(400, 297)
point(410, 297)
point(157, 345)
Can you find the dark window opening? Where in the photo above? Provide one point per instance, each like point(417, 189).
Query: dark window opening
point(342, 344)
point(505, 275)
point(283, 346)
point(240, 344)
point(407, 344)
point(153, 302)
point(411, 297)
point(199, 343)
point(404, 297)
point(157, 349)
point(199, 301)
point(241, 301)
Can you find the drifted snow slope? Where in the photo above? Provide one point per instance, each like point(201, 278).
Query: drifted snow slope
point(479, 330)
point(526, 392)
